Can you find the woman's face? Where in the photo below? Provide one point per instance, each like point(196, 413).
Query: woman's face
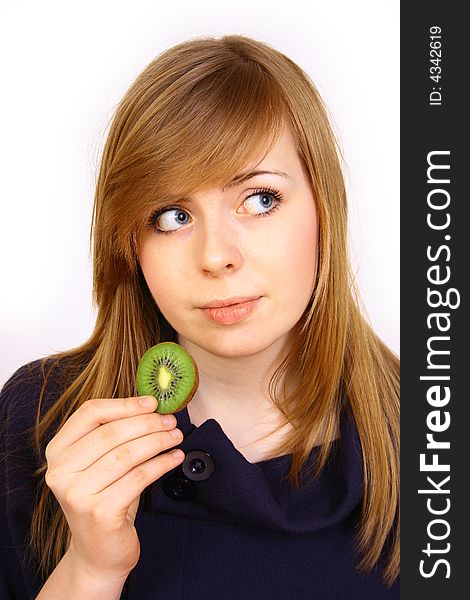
point(255, 238)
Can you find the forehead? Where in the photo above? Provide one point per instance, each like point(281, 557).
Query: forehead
point(280, 155)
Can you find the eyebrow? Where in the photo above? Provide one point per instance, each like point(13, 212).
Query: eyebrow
point(239, 179)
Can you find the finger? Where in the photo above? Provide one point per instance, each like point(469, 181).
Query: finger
point(124, 458)
point(93, 446)
point(115, 499)
point(93, 413)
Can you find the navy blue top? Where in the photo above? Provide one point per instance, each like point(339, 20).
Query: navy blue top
point(217, 526)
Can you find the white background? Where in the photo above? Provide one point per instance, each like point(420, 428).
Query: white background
point(65, 67)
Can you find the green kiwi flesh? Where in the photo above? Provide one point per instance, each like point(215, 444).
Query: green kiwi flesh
point(169, 373)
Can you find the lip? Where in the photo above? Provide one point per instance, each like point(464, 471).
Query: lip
point(232, 310)
point(230, 301)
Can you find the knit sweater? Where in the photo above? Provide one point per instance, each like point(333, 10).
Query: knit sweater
point(217, 526)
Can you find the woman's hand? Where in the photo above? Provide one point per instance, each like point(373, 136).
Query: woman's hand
point(97, 466)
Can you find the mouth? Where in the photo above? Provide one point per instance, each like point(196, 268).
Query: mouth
point(230, 310)
point(230, 301)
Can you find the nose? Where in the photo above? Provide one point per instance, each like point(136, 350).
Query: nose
point(218, 247)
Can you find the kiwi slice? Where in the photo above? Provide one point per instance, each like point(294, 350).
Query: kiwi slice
point(169, 373)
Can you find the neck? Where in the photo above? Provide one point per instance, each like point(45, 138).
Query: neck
point(234, 391)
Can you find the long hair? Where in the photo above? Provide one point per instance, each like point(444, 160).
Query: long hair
point(194, 118)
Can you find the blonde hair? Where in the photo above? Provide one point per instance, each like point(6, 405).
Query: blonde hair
point(194, 118)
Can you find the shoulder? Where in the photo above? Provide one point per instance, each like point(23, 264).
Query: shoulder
point(32, 389)
point(24, 400)
point(19, 397)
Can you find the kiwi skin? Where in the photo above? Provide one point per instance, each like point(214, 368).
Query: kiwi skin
point(161, 408)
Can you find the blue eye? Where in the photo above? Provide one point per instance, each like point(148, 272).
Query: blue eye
point(260, 201)
point(170, 219)
point(263, 202)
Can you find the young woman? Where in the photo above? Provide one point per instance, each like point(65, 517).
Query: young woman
point(220, 223)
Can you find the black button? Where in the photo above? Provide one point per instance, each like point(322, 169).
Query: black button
point(179, 488)
point(198, 465)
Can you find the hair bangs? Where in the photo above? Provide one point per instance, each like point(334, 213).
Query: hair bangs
point(225, 124)
point(201, 135)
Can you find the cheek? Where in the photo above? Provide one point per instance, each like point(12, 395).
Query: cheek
point(297, 251)
point(158, 273)
point(306, 247)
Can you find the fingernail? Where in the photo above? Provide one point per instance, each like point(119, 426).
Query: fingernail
point(175, 433)
point(148, 401)
point(168, 420)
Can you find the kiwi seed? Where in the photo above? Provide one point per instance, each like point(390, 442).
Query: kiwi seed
point(169, 373)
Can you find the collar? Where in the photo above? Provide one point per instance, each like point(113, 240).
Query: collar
point(216, 482)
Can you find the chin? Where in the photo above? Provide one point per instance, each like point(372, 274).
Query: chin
point(235, 345)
